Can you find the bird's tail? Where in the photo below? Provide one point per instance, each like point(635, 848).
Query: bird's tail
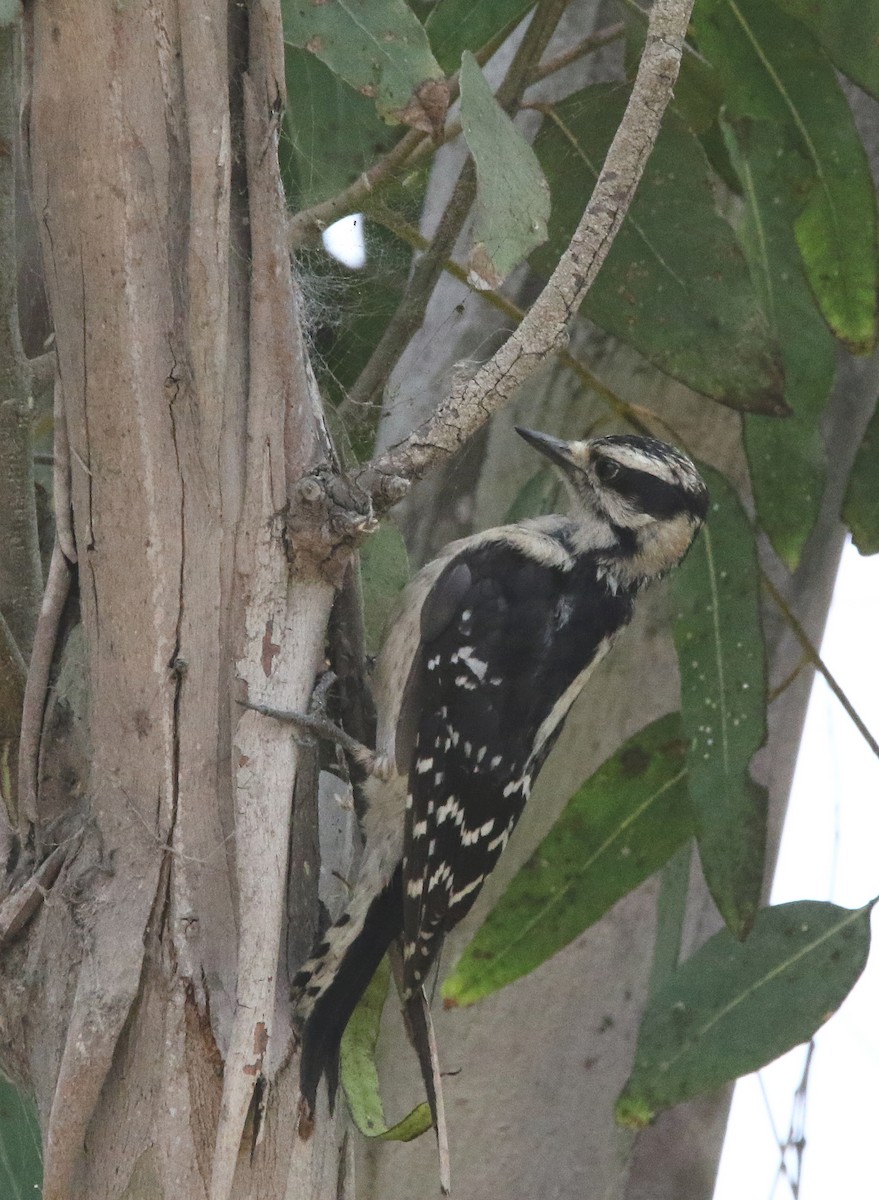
point(416, 1012)
point(327, 989)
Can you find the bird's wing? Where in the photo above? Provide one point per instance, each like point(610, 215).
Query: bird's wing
point(492, 674)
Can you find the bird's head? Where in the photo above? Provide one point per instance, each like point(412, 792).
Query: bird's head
point(640, 499)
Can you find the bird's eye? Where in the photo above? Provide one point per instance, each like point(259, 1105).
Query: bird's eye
point(606, 469)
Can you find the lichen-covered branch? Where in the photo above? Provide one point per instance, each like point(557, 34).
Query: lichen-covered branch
point(544, 329)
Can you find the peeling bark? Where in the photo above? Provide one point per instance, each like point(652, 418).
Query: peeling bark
point(187, 413)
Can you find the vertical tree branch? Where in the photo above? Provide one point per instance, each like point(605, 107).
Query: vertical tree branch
point(20, 571)
point(12, 680)
point(285, 619)
point(61, 472)
point(36, 689)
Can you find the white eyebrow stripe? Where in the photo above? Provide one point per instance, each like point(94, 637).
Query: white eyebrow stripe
point(637, 460)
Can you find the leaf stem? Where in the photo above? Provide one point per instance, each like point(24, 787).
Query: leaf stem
point(595, 41)
point(817, 662)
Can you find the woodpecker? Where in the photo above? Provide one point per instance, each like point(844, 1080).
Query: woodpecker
point(495, 639)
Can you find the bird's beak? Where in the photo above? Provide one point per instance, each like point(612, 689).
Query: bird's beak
point(555, 449)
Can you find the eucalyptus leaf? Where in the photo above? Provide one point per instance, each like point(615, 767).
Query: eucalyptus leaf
point(378, 47)
point(733, 1007)
point(512, 197)
point(786, 458)
point(719, 643)
point(358, 1073)
point(848, 31)
point(860, 509)
point(21, 1148)
point(330, 136)
point(773, 69)
point(616, 830)
point(457, 25)
point(675, 285)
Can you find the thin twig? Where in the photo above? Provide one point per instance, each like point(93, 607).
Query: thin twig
point(544, 330)
point(595, 41)
point(320, 727)
point(529, 52)
point(304, 226)
point(415, 146)
point(61, 476)
point(540, 72)
point(308, 224)
point(410, 311)
point(780, 688)
point(36, 689)
point(817, 662)
point(19, 909)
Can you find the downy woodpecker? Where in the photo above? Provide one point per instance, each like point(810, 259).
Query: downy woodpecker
point(494, 642)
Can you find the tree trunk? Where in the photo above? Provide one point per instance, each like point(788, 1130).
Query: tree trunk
point(146, 1004)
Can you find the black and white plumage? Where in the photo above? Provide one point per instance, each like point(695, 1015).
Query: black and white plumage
point(495, 640)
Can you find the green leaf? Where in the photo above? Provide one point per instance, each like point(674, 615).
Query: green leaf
point(458, 25)
point(719, 642)
point(21, 1153)
point(848, 31)
point(512, 197)
point(671, 912)
point(733, 1007)
point(359, 1076)
point(617, 829)
point(331, 134)
point(675, 284)
point(380, 48)
point(774, 70)
point(860, 509)
point(384, 572)
point(786, 458)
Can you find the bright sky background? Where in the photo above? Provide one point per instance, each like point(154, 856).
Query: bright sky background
point(830, 851)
